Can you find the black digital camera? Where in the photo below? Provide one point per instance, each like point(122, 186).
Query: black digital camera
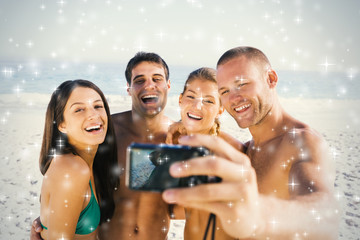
point(148, 166)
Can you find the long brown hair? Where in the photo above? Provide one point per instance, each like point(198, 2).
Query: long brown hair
point(55, 143)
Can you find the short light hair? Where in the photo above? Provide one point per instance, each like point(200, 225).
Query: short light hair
point(251, 53)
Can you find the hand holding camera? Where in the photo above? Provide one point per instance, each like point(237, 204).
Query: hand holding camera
point(148, 166)
point(235, 200)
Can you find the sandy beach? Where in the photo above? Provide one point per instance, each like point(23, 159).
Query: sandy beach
point(21, 126)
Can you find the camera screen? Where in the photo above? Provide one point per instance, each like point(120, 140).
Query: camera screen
point(148, 166)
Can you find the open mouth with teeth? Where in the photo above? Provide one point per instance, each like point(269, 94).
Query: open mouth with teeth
point(194, 116)
point(150, 99)
point(242, 108)
point(93, 129)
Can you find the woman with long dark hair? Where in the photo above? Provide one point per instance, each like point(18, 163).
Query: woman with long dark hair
point(79, 162)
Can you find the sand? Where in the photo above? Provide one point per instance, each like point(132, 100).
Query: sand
point(21, 126)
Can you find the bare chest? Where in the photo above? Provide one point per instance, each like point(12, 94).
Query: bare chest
point(138, 215)
point(272, 168)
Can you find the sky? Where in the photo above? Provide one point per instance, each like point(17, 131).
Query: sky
point(312, 35)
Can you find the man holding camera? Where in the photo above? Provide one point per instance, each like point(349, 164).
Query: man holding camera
point(282, 187)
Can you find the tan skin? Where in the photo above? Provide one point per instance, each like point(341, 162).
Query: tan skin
point(286, 171)
point(200, 106)
point(140, 215)
point(209, 109)
point(201, 98)
point(66, 182)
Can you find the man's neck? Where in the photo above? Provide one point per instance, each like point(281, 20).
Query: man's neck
point(150, 126)
point(273, 125)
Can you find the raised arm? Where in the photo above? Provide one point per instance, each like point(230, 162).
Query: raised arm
point(242, 210)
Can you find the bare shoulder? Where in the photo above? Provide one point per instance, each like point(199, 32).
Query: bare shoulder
point(121, 118)
point(68, 168)
point(123, 123)
point(312, 166)
point(63, 191)
point(233, 141)
point(307, 141)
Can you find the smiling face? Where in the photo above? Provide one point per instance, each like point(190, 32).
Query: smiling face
point(200, 105)
point(148, 89)
point(245, 90)
point(85, 120)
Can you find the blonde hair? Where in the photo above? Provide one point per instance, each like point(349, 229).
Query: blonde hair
point(206, 74)
point(215, 130)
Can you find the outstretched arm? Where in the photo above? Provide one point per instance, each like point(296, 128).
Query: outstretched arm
point(241, 209)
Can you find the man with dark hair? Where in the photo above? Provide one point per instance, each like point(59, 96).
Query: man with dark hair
point(141, 215)
point(282, 187)
point(145, 57)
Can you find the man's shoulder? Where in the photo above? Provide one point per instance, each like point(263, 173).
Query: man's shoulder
point(303, 143)
point(121, 118)
point(303, 134)
point(121, 114)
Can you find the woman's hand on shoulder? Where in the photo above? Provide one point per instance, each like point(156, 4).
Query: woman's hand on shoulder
point(176, 130)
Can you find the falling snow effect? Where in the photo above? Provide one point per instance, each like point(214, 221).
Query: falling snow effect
point(314, 57)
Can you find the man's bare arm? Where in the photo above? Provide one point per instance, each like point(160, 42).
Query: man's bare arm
point(243, 212)
point(312, 211)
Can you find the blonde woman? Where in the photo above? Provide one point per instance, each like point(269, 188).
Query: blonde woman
point(200, 109)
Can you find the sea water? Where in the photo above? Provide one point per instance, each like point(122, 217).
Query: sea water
point(44, 77)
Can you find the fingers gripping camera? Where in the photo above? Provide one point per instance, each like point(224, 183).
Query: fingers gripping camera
point(148, 166)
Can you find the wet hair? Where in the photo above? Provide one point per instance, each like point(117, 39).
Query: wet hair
point(55, 143)
point(145, 57)
point(205, 74)
point(250, 53)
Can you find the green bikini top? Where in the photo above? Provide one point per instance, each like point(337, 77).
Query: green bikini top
point(89, 218)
